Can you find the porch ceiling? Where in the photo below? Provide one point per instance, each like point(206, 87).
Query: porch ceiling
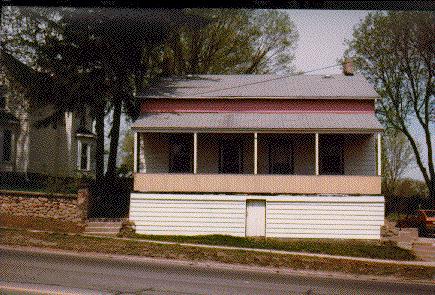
point(258, 122)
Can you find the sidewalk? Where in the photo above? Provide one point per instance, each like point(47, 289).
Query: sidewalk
point(414, 263)
point(271, 251)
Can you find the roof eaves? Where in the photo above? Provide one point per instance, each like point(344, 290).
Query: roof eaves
point(256, 97)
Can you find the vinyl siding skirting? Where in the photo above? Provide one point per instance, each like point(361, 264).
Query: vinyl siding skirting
point(286, 216)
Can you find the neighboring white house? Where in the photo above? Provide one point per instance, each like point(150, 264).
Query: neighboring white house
point(65, 150)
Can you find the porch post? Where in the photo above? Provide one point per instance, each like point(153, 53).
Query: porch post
point(195, 152)
point(255, 153)
point(135, 152)
point(317, 154)
point(379, 155)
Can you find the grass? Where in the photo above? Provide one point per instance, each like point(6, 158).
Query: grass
point(80, 243)
point(354, 248)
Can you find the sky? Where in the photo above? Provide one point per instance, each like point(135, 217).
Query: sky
point(322, 35)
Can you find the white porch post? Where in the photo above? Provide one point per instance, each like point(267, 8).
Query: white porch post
point(317, 154)
point(255, 153)
point(195, 152)
point(379, 155)
point(135, 152)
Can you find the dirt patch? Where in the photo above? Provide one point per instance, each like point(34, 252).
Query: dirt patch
point(39, 223)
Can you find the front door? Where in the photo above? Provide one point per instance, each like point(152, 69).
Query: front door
point(255, 218)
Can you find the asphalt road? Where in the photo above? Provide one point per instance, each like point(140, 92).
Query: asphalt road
point(21, 269)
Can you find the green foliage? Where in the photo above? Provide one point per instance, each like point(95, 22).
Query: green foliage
point(397, 157)
point(126, 167)
point(235, 42)
point(409, 187)
point(396, 52)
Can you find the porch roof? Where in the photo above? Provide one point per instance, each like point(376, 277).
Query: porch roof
point(257, 122)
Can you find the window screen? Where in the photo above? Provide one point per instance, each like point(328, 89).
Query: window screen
point(331, 149)
point(181, 154)
point(231, 157)
point(280, 157)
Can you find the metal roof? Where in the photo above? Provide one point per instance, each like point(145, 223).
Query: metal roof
point(257, 121)
point(262, 86)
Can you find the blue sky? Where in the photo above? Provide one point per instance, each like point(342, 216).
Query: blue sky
point(322, 34)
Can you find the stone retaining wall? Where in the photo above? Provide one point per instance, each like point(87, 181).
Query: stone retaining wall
point(70, 208)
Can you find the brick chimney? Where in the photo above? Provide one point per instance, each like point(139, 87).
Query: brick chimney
point(347, 67)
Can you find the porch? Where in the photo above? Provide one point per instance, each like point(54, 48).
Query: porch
point(258, 162)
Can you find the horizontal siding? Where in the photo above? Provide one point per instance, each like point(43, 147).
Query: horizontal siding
point(187, 217)
point(371, 236)
point(341, 217)
point(344, 220)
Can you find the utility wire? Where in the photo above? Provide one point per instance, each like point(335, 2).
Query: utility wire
point(268, 80)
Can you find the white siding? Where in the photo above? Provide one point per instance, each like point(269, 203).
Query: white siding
point(337, 218)
point(181, 215)
point(343, 217)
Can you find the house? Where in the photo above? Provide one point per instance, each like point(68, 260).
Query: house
point(259, 155)
point(63, 151)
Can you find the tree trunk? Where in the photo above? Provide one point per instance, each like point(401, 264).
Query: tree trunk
point(99, 149)
point(114, 139)
point(432, 192)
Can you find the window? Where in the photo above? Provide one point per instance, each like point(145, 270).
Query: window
point(280, 157)
point(7, 146)
point(231, 160)
point(84, 157)
point(331, 149)
point(180, 154)
point(84, 154)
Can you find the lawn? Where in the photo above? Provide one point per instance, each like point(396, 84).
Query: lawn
point(355, 248)
point(108, 245)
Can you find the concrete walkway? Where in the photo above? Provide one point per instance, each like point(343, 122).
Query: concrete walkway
point(417, 263)
point(424, 248)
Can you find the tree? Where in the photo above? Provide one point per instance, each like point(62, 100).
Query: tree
point(235, 42)
point(395, 52)
point(397, 157)
point(81, 55)
point(128, 159)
